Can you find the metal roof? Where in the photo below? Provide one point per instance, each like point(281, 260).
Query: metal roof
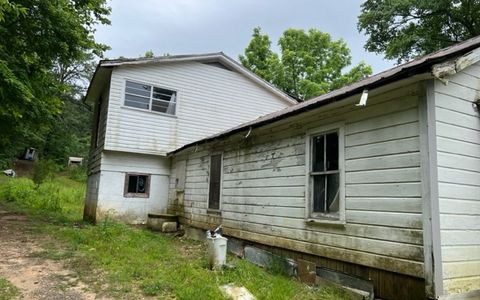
point(417, 66)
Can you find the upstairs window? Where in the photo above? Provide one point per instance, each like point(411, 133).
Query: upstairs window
point(149, 97)
point(325, 172)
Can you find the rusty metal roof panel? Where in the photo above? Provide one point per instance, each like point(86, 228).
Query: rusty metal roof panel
point(417, 66)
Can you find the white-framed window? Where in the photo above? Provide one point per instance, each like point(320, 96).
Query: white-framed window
point(326, 174)
point(149, 97)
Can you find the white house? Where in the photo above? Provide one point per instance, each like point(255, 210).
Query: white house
point(145, 108)
point(388, 191)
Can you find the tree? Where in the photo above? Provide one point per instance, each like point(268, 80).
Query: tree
point(41, 39)
point(259, 58)
point(69, 133)
point(405, 29)
point(149, 54)
point(311, 63)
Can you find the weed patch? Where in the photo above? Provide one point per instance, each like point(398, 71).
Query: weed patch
point(78, 173)
point(121, 261)
point(7, 290)
point(51, 199)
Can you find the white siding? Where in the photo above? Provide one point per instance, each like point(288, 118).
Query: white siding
point(95, 155)
point(458, 143)
point(209, 99)
point(115, 165)
point(263, 195)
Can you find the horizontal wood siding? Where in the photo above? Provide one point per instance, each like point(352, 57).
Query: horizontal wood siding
point(209, 100)
point(263, 189)
point(458, 142)
point(97, 148)
point(95, 156)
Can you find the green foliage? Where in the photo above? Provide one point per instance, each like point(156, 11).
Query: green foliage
point(134, 259)
point(148, 54)
point(78, 173)
point(259, 58)
point(43, 170)
point(20, 190)
point(311, 63)
point(48, 198)
point(43, 48)
point(70, 134)
point(7, 290)
point(404, 29)
point(120, 261)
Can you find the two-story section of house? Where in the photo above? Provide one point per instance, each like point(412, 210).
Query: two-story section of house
point(145, 108)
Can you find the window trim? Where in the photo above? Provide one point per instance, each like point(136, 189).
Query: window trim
point(310, 216)
point(214, 210)
point(126, 194)
point(153, 85)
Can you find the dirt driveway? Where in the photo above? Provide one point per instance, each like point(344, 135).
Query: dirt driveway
point(22, 264)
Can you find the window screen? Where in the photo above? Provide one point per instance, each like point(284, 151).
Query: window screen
point(325, 174)
point(215, 180)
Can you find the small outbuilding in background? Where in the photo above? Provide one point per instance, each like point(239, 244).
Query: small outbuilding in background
point(30, 154)
point(75, 161)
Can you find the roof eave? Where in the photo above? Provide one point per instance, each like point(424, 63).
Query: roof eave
point(217, 56)
point(99, 77)
point(415, 67)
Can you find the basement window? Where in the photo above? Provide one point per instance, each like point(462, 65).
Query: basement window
point(148, 97)
point(326, 195)
point(137, 185)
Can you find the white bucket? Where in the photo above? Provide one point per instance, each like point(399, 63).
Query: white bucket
point(217, 251)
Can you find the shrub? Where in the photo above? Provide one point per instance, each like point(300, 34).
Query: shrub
point(44, 170)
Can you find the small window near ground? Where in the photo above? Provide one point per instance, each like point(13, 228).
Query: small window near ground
point(325, 186)
point(137, 185)
point(215, 182)
point(149, 97)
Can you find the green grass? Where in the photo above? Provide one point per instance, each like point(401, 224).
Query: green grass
point(7, 290)
point(123, 261)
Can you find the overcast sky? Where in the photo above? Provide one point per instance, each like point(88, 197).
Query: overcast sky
point(200, 26)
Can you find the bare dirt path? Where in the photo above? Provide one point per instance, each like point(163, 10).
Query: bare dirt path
point(35, 276)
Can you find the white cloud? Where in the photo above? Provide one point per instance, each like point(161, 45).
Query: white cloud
point(195, 26)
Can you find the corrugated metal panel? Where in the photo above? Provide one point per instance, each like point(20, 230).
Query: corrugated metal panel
point(417, 66)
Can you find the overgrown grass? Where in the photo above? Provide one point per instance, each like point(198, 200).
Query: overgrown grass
point(58, 199)
point(78, 173)
point(7, 290)
point(123, 261)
